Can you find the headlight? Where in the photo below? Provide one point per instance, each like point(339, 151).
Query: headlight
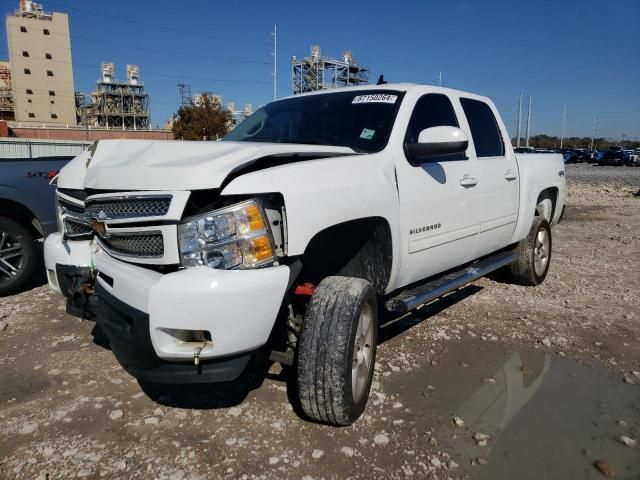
point(232, 237)
point(73, 221)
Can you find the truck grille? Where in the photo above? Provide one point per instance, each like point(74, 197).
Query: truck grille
point(139, 244)
point(131, 207)
point(75, 228)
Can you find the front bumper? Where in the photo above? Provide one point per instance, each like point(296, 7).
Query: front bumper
point(70, 273)
point(73, 253)
point(127, 330)
point(237, 309)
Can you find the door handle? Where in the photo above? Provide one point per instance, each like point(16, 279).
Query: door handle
point(509, 176)
point(468, 181)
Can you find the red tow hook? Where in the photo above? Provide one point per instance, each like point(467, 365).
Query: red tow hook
point(306, 288)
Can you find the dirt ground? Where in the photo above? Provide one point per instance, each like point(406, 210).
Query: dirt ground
point(494, 381)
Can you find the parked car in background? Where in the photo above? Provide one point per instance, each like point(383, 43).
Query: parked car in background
point(570, 156)
point(583, 154)
point(631, 157)
point(27, 216)
point(613, 156)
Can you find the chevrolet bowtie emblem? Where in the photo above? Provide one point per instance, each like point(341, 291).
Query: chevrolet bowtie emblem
point(99, 228)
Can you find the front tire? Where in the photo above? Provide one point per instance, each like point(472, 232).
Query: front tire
point(20, 257)
point(534, 256)
point(337, 350)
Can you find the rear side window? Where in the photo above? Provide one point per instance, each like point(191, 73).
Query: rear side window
point(431, 110)
point(484, 128)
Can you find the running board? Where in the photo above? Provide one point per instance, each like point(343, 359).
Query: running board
point(409, 299)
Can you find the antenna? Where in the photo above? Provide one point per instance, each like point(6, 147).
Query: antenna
point(275, 61)
point(518, 122)
point(564, 118)
point(440, 78)
point(528, 121)
point(593, 131)
point(381, 80)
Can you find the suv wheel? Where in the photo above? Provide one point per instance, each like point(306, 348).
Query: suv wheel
point(19, 256)
point(337, 350)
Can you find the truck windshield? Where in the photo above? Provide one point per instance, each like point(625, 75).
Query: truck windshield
point(360, 119)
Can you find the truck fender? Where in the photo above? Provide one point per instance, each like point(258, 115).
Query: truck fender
point(319, 194)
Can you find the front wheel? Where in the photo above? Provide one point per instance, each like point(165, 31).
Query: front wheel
point(337, 350)
point(534, 255)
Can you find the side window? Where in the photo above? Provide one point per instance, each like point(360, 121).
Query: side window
point(484, 128)
point(431, 110)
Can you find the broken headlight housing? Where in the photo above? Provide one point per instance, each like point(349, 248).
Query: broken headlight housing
point(73, 221)
point(234, 237)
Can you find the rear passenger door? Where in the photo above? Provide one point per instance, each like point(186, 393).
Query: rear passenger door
point(498, 192)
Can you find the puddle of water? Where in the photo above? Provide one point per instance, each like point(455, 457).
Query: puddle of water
point(547, 417)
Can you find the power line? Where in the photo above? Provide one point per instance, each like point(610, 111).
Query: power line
point(155, 74)
point(158, 26)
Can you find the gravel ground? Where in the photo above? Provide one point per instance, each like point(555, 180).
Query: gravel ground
point(569, 349)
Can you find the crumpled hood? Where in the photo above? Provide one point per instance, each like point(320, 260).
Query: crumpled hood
point(180, 165)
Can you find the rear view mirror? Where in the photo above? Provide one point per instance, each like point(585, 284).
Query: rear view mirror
point(438, 144)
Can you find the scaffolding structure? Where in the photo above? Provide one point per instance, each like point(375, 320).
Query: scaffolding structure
point(316, 72)
point(117, 104)
point(29, 9)
point(6, 95)
point(185, 94)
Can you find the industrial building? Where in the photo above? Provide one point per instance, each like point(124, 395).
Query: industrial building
point(39, 70)
point(6, 95)
point(120, 104)
point(316, 72)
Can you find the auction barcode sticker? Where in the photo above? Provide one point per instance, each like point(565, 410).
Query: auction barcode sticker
point(375, 98)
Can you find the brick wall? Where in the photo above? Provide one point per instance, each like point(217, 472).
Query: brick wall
point(81, 134)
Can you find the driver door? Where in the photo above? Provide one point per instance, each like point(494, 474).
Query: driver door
point(438, 199)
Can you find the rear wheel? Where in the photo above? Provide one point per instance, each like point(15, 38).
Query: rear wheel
point(337, 350)
point(534, 255)
point(19, 256)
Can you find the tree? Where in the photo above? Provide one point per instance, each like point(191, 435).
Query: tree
point(206, 120)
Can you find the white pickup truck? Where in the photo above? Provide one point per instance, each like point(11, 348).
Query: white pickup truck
point(288, 236)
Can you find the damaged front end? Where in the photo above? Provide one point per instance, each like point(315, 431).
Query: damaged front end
point(77, 285)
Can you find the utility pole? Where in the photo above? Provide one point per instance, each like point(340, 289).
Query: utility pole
point(275, 61)
point(518, 121)
point(440, 78)
point(593, 132)
point(564, 119)
point(529, 121)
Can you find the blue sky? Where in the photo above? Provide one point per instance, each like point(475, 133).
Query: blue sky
point(585, 54)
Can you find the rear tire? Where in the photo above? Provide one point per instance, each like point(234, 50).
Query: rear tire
point(534, 256)
point(20, 257)
point(337, 350)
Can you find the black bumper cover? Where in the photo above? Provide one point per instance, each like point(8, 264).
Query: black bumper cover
point(70, 281)
point(127, 330)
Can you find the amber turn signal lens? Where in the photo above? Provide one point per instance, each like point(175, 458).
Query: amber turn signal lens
point(255, 219)
point(262, 248)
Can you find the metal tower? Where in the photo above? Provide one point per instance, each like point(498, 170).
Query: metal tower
point(119, 104)
point(318, 73)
